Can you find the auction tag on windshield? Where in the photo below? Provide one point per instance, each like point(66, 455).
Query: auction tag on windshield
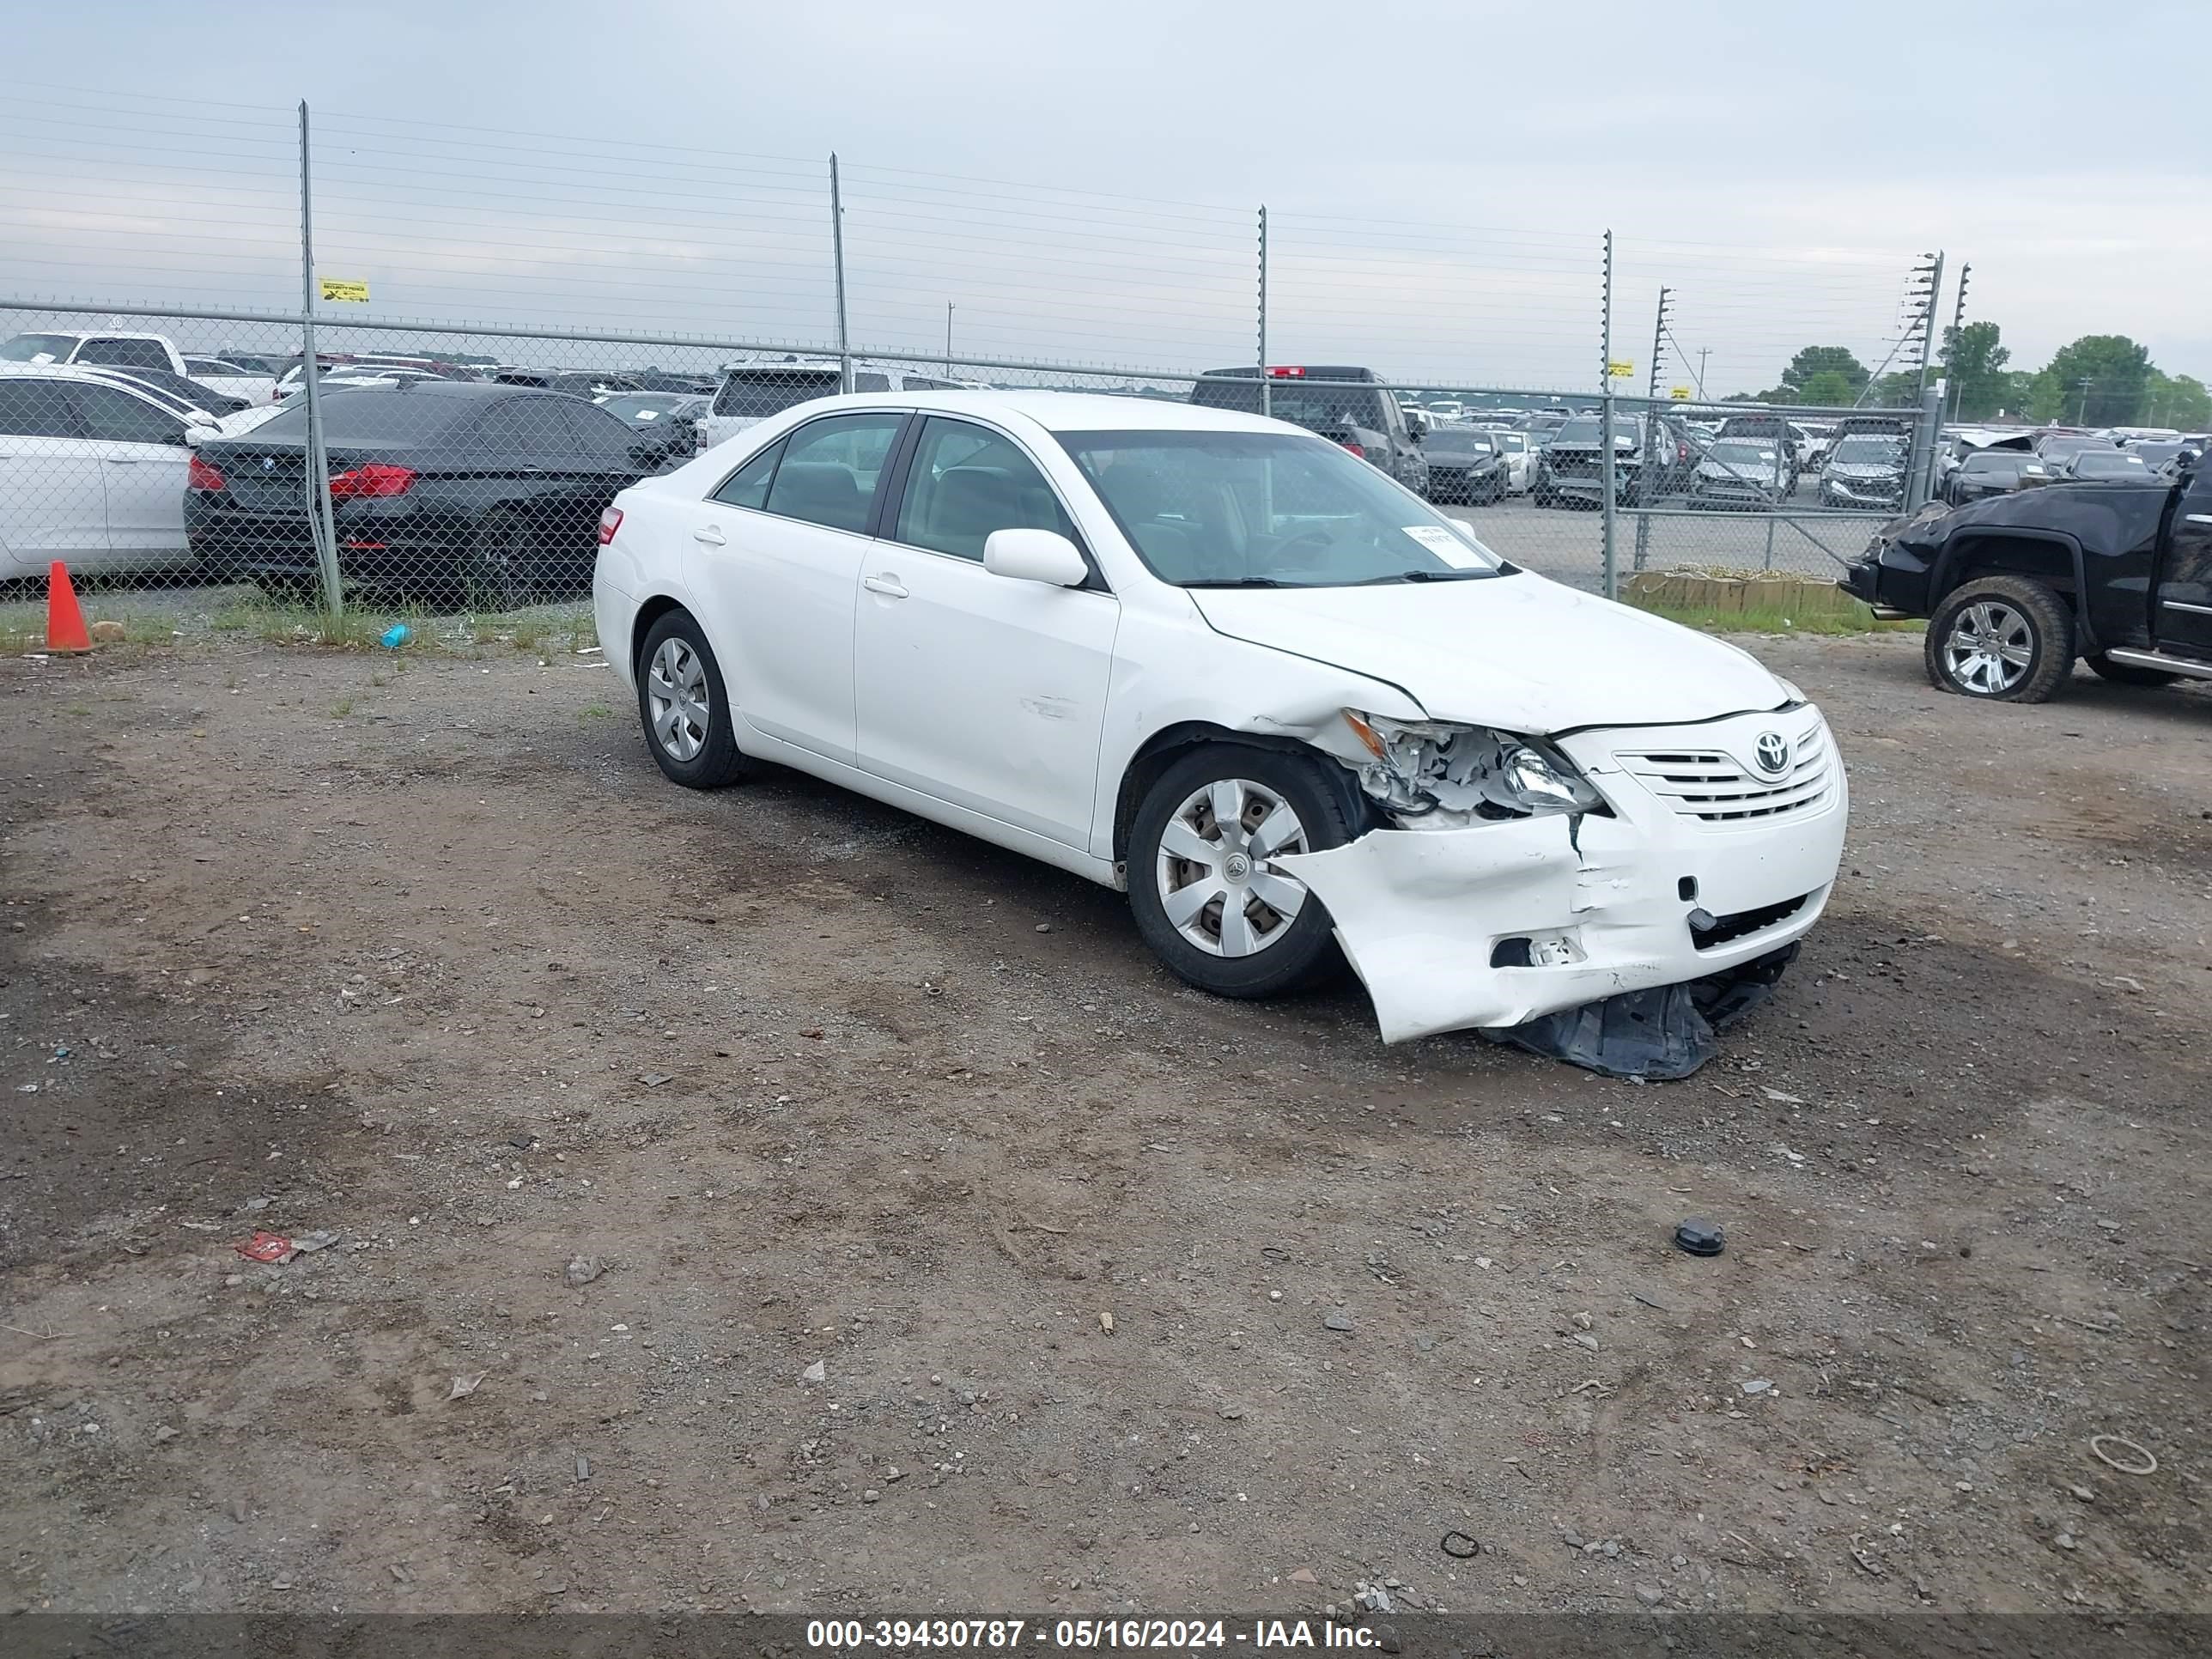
point(1446, 546)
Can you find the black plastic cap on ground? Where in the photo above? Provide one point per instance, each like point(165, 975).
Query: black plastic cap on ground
point(1699, 1237)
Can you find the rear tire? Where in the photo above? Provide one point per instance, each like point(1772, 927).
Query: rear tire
point(2126, 674)
point(502, 558)
point(681, 703)
point(1252, 950)
point(2001, 639)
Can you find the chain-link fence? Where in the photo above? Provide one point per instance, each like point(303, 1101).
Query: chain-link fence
point(261, 431)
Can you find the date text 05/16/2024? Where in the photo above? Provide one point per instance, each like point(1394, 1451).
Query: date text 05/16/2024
point(1083, 1635)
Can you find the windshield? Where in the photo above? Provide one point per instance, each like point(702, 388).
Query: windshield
point(765, 391)
point(1231, 509)
point(1587, 429)
point(2101, 464)
point(1742, 455)
point(2011, 462)
point(1869, 452)
point(29, 348)
point(628, 406)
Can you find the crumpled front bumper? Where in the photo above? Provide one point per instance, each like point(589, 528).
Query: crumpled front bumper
point(1599, 906)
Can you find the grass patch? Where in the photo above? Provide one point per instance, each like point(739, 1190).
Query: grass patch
point(1754, 602)
point(1859, 619)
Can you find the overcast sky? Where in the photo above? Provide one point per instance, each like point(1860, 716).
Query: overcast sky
point(1440, 173)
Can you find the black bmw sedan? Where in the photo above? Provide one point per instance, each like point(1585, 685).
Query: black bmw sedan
point(439, 488)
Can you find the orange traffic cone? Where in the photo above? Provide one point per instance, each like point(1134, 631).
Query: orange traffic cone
point(65, 630)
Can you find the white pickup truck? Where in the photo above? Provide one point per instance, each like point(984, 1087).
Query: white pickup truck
point(114, 349)
point(750, 392)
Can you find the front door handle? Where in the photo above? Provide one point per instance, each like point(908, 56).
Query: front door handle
point(887, 585)
point(2200, 518)
point(120, 460)
point(712, 537)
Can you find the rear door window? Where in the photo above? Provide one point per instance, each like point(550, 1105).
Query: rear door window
point(37, 409)
point(114, 416)
point(831, 469)
point(748, 485)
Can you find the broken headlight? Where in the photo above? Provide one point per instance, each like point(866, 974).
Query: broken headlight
point(1467, 773)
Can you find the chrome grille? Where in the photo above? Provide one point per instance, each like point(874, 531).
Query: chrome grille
point(1709, 784)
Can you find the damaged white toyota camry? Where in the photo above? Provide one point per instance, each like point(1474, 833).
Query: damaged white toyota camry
point(1224, 665)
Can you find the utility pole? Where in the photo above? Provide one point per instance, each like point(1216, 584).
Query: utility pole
point(1658, 337)
point(1267, 400)
point(2081, 408)
point(948, 339)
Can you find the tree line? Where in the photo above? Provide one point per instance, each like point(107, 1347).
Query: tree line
point(2100, 379)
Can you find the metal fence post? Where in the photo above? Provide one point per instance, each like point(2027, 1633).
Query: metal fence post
point(1606, 486)
point(1266, 402)
point(1920, 475)
point(322, 525)
point(837, 257)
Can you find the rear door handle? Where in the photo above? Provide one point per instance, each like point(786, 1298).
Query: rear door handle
point(120, 460)
point(712, 537)
point(887, 585)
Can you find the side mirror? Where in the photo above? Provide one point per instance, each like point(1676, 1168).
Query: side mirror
point(1034, 556)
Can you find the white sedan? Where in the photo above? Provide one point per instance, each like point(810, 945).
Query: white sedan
point(1220, 664)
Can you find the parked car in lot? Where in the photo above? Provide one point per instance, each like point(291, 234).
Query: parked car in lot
point(1212, 660)
point(438, 486)
point(2102, 466)
point(1466, 464)
point(1652, 457)
point(109, 349)
point(748, 394)
point(1337, 402)
point(232, 379)
point(1865, 469)
point(92, 471)
point(1740, 472)
point(672, 416)
point(1984, 472)
point(2017, 587)
point(1520, 454)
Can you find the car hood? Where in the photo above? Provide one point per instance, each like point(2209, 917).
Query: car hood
point(1515, 652)
point(1856, 470)
point(2102, 517)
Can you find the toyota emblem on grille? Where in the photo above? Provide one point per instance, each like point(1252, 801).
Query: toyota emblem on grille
point(1771, 753)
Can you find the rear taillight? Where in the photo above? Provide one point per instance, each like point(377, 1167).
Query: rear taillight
point(202, 475)
point(1361, 450)
point(1681, 454)
point(375, 479)
point(609, 521)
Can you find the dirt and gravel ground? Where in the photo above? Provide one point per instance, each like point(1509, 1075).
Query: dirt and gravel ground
point(433, 960)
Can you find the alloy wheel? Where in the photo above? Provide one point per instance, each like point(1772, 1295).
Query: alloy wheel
point(1989, 648)
point(676, 690)
point(1217, 880)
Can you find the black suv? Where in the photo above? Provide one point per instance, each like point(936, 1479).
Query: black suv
point(2015, 588)
point(1652, 456)
point(1346, 406)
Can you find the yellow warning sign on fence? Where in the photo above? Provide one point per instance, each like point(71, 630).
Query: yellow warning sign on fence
point(1621, 371)
point(336, 288)
point(1680, 394)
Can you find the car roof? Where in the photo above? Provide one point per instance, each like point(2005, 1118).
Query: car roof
point(1062, 411)
point(95, 373)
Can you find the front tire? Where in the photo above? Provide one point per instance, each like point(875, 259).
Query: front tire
point(2126, 674)
point(2001, 639)
point(681, 702)
point(1202, 887)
